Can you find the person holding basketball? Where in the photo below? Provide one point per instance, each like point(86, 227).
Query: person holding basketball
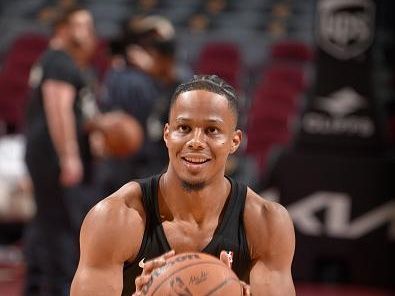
point(191, 207)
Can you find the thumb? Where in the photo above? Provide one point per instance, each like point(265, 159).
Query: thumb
point(227, 258)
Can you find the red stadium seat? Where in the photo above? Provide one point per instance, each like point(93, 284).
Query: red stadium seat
point(23, 53)
point(293, 75)
point(223, 59)
point(292, 50)
point(29, 42)
point(12, 101)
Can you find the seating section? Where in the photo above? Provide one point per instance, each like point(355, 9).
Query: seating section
point(14, 77)
point(260, 47)
point(254, 45)
point(277, 100)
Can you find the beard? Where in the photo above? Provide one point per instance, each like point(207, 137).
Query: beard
point(192, 187)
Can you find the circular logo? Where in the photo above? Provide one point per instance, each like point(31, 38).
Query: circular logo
point(345, 28)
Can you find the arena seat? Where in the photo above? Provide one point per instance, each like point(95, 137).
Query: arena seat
point(291, 50)
point(15, 74)
point(290, 74)
point(30, 41)
point(221, 58)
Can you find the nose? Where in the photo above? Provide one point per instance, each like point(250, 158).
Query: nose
point(197, 139)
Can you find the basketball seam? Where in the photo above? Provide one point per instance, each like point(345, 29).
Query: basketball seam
point(219, 286)
point(170, 275)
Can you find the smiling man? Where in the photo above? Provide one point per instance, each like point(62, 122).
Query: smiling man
point(193, 206)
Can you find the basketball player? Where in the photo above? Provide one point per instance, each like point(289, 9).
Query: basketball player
point(192, 206)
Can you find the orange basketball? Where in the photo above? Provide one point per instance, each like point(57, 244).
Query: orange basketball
point(122, 133)
point(193, 274)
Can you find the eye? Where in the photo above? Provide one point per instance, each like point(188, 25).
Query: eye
point(212, 130)
point(183, 128)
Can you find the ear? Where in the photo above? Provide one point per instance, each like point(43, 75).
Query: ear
point(236, 140)
point(166, 132)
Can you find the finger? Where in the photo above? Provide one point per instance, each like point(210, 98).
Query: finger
point(141, 280)
point(138, 283)
point(149, 266)
point(157, 262)
point(227, 258)
point(169, 254)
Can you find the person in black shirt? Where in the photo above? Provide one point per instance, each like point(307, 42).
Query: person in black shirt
point(141, 87)
point(58, 154)
point(192, 206)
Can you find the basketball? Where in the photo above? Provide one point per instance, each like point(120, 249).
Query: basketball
point(122, 134)
point(193, 274)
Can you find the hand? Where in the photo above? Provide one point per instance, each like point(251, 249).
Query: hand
point(227, 258)
point(97, 144)
point(71, 171)
point(140, 58)
point(148, 267)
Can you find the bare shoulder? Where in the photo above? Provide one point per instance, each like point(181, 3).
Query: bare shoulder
point(265, 210)
point(115, 225)
point(268, 225)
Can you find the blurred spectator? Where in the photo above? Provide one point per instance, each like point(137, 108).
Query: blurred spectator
point(141, 85)
point(198, 23)
point(57, 153)
point(215, 7)
point(144, 7)
point(48, 14)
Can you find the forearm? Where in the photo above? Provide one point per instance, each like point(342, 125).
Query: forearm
point(94, 286)
point(272, 284)
point(63, 133)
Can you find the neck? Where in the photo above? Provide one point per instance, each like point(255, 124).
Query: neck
point(77, 54)
point(177, 202)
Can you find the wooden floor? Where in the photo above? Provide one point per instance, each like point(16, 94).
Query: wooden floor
point(12, 270)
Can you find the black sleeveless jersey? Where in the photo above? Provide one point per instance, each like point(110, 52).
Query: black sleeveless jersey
point(229, 235)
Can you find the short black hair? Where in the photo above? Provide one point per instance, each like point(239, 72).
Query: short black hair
point(211, 83)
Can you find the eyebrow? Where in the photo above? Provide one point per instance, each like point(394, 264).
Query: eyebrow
point(211, 120)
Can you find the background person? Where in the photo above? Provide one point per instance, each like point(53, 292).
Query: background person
point(58, 154)
point(141, 87)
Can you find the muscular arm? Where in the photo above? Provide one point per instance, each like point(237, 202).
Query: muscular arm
point(107, 242)
point(271, 240)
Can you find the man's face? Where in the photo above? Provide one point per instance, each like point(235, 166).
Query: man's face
point(200, 135)
point(81, 29)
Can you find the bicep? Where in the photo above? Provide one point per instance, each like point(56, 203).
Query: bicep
point(97, 273)
point(104, 249)
point(271, 271)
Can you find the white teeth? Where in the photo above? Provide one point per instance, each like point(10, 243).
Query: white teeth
point(195, 160)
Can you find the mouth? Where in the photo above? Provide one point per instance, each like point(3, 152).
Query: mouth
point(195, 160)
